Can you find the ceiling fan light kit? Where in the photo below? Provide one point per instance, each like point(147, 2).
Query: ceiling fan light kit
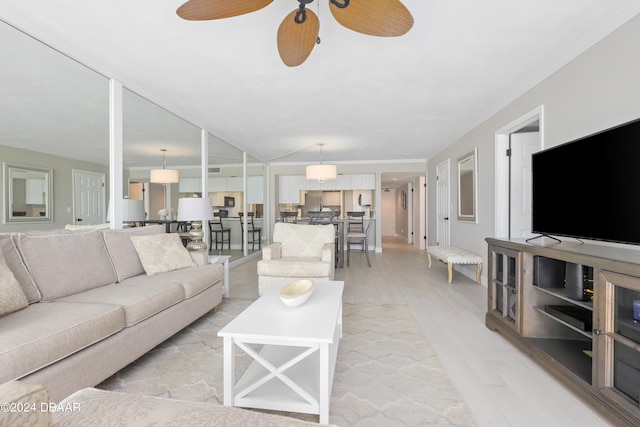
point(298, 32)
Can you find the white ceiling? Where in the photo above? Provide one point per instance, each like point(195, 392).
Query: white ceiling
point(366, 98)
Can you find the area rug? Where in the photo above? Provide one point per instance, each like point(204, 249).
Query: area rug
point(386, 373)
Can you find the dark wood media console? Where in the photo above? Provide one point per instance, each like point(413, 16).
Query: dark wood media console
point(570, 306)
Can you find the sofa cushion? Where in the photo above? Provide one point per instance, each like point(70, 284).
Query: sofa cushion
point(12, 297)
point(66, 263)
point(122, 252)
point(160, 253)
point(303, 240)
point(17, 267)
point(295, 267)
point(193, 280)
point(44, 333)
point(139, 301)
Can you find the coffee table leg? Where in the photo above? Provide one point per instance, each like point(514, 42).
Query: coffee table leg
point(229, 370)
point(323, 402)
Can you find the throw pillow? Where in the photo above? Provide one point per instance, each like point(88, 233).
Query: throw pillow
point(160, 253)
point(12, 297)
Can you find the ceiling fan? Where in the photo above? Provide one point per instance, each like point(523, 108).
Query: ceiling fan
point(298, 32)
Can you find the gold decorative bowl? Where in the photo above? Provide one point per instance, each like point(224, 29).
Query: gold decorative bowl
point(297, 292)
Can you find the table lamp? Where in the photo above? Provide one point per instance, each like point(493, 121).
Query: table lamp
point(132, 211)
point(196, 210)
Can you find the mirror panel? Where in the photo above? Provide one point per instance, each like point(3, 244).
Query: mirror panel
point(55, 117)
point(468, 186)
point(147, 129)
point(28, 193)
point(225, 185)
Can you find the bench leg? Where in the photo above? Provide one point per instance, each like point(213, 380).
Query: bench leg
point(450, 270)
point(478, 271)
point(429, 256)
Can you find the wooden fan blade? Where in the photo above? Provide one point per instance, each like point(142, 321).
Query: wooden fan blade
point(386, 18)
point(296, 41)
point(202, 10)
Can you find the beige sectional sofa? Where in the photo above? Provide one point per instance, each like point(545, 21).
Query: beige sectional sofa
point(92, 308)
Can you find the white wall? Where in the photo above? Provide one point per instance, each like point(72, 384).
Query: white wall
point(597, 90)
point(388, 213)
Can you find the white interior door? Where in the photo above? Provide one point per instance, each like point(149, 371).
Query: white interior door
point(444, 204)
point(522, 146)
point(88, 198)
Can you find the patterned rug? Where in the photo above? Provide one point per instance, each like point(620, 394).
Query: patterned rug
point(386, 373)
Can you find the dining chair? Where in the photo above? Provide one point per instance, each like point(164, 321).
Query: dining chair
point(321, 217)
point(356, 221)
point(217, 232)
point(359, 238)
point(252, 231)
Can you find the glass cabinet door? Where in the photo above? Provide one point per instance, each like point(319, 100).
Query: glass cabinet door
point(620, 349)
point(504, 279)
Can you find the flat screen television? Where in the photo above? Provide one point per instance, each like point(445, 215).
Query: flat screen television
point(590, 188)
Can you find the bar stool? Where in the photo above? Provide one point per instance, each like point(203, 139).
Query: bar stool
point(251, 231)
point(217, 232)
point(289, 217)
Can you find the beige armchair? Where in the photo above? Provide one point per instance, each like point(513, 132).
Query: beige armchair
point(299, 251)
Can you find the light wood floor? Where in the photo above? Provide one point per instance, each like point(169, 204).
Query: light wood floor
point(501, 385)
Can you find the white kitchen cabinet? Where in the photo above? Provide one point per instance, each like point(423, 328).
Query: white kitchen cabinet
point(289, 189)
point(35, 192)
point(234, 183)
point(189, 185)
point(255, 190)
point(217, 184)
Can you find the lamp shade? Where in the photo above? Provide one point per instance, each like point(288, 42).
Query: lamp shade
point(133, 210)
point(164, 176)
point(195, 209)
point(321, 172)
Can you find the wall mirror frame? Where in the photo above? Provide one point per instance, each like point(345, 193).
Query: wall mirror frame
point(28, 193)
point(468, 186)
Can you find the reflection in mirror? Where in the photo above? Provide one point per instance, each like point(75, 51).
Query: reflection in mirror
point(55, 114)
point(468, 186)
point(147, 129)
point(226, 184)
point(28, 193)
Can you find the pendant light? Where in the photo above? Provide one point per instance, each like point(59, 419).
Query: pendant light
point(321, 172)
point(164, 176)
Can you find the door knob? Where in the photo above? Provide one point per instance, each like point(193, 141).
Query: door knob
point(78, 219)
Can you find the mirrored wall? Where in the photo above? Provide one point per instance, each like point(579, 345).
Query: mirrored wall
point(55, 115)
point(54, 119)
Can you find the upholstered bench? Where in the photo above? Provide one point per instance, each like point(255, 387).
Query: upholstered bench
point(452, 255)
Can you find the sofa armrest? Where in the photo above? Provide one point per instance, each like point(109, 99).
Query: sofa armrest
point(25, 404)
point(272, 251)
point(328, 252)
point(200, 257)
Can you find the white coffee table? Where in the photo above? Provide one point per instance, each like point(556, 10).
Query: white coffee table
point(293, 371)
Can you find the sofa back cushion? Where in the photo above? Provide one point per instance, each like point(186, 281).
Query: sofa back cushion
point(66, 263)
point(303, 240)
point(123, 254)
point(14, 262)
